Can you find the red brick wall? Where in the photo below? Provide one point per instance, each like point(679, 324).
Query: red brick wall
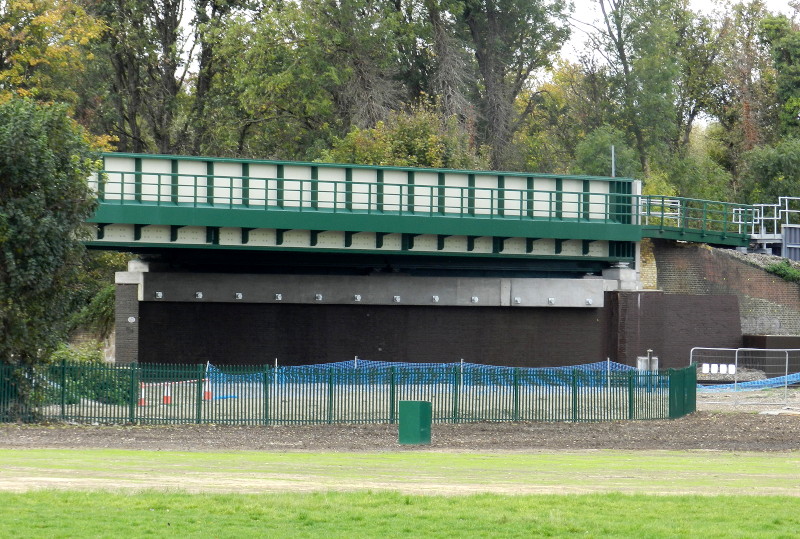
point(767, 303)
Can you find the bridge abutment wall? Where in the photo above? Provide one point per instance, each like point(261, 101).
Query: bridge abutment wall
point(768, 305)
point(180, 327)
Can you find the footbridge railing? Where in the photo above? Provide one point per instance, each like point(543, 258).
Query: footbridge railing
point(144, 190)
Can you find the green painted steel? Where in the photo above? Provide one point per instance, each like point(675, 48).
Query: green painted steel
point(414, 425)
point(179, 191)
point(261, 395)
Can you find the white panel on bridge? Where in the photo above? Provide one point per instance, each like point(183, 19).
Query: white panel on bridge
point(392, 242)
point(156, 180)
point(571, 199)
point(194, 235)
point(483, 245)
point(598, 249)
point(296, 238)
point(515, 246)
point(262, 184)
point(426, 191)
point(456, 193)
point(485, 194)
point(544, 201)
point(363, 241)
point(121, 233)
point(515, 196)
point(364, 189)
point(262, 237)
point(192, 182)
point(155, 234)
point(119, 183)
point(330, 239)
point(227, 183)
point(230, 236)
point(331, 187)
point(393, 194)
point(296, 192)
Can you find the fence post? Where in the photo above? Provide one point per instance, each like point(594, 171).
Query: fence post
point(63, 389)
point(631, 393)
point(574, 395)
point(515, 373)
point(266, 394)
point(455, 393)
point(675, 389)
point(200, 379)
point(330, 395)
point(134, 394)
point(392, 396)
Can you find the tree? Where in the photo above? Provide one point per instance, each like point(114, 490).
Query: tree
point(784, 41)
point(44, 200)
point(421, 138)
point(43, 44)
point(744, 101)
point(637, 39)
point(593, 154)
point(772, 171)
point(511, 39)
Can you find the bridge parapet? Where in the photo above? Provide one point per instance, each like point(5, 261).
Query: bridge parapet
point(173, 201)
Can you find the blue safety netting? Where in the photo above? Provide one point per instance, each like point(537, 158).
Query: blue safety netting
point(366, 371)
point(753, 385)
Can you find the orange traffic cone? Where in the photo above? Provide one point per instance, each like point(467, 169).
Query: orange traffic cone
point(167, 399)
point(207, 396)
point(142, 402)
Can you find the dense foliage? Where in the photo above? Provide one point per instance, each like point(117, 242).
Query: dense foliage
point(44, 200)
point(695, 103)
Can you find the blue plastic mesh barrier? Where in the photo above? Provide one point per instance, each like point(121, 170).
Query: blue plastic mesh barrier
point(591, 374)
point(753, 385)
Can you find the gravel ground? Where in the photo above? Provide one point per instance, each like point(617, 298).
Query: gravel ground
point(722, 431)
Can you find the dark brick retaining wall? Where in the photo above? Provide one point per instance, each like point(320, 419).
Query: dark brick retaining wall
point(629, 324)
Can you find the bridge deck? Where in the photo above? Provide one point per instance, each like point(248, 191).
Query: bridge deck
point(259, 204)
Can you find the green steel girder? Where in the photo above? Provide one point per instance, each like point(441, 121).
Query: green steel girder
point(138, 246)
point(297, 218)
point(715, 237)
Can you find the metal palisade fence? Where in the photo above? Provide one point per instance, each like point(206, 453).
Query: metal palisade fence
point(347, 392)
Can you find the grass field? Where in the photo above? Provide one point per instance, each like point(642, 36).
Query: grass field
point(416, 472)
point(113, 493)
point(369, 514)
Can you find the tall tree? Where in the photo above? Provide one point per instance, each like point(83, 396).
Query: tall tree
point(783, 39)
point(637, 40)
point(744, 102)
point(44, 201)
point(511, 39)
point(43, 46)
point(146, 51)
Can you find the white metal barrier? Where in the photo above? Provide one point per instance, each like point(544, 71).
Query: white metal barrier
point(747, 376)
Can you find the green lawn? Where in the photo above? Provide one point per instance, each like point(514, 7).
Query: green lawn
point(389, 514)
point(114, 493)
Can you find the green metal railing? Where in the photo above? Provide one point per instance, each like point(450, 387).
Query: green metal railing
point(229, 199)
point(696, 220)
point(172, 394)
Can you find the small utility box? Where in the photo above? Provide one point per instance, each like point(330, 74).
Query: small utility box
point(414, 420)
point(647, 363)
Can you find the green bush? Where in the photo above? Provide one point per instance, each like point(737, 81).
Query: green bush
point(785, 271)
point(84, 374)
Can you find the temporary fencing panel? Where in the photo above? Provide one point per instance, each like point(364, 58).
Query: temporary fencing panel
point(346, 392)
